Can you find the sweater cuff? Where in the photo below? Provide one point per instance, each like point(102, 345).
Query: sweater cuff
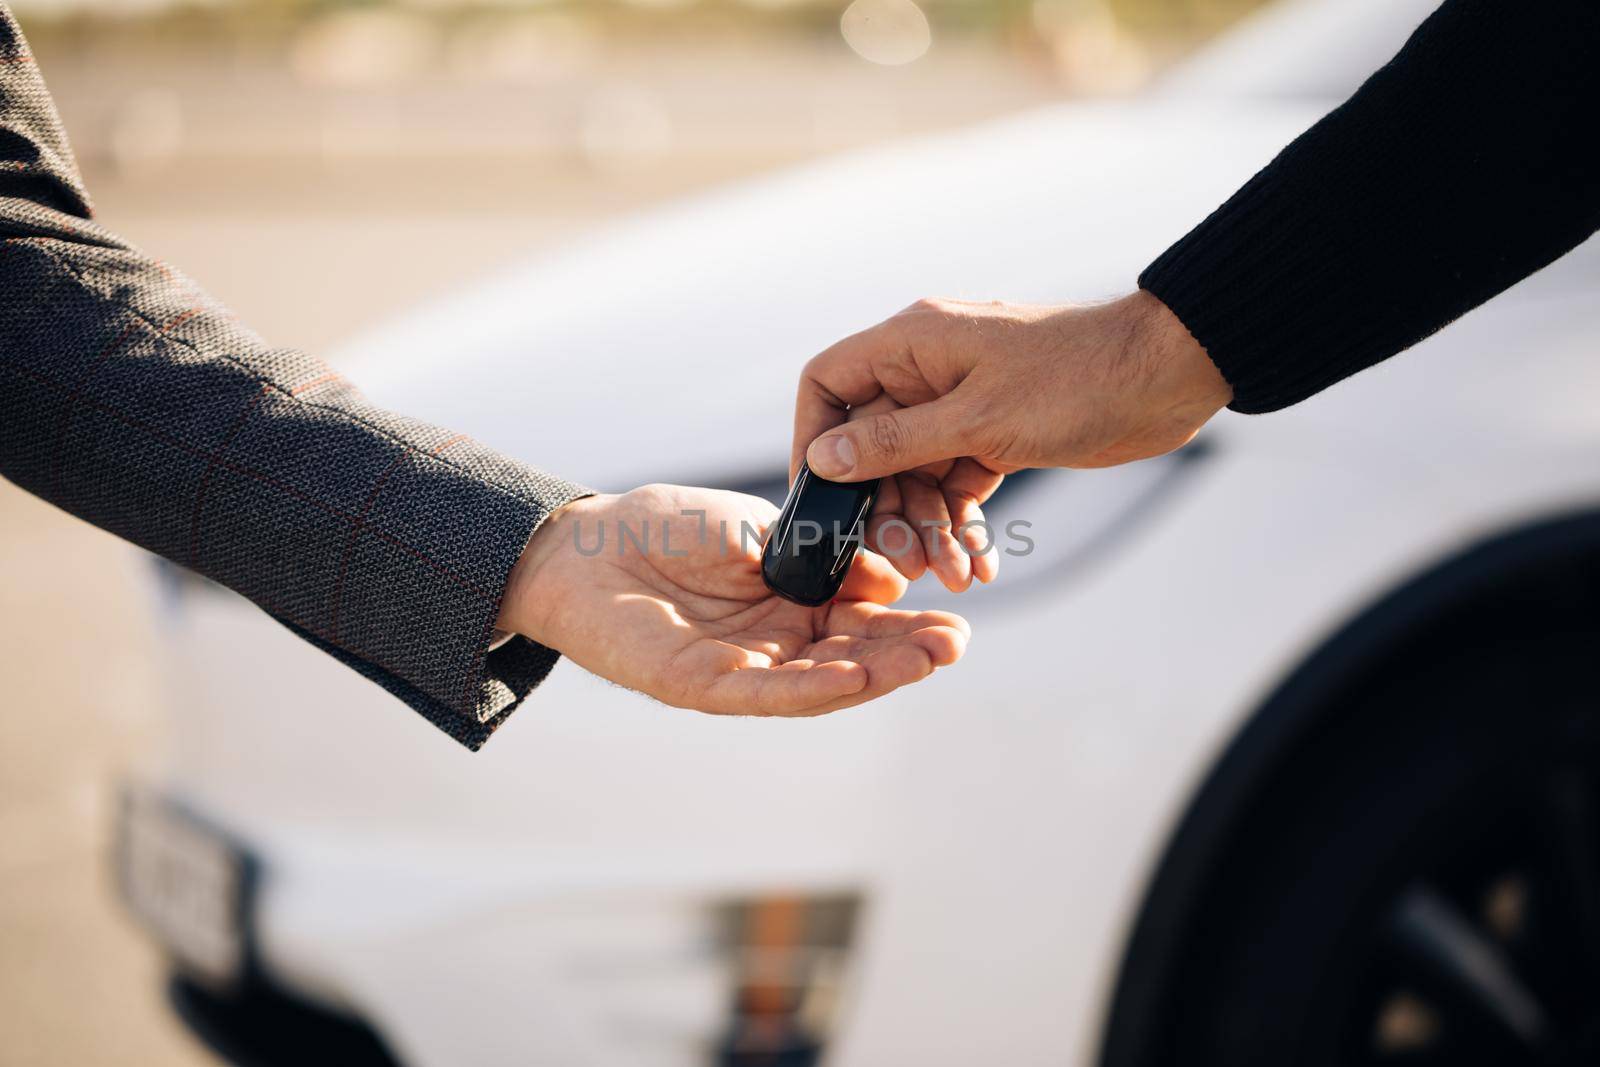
point(1453, 173)
point(1228, 281)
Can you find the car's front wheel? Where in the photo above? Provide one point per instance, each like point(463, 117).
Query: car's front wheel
point(1420, 884)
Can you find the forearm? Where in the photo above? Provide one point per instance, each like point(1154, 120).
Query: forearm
point(132, 400)
point(1461, 167)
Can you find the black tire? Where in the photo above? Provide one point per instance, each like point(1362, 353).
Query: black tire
point(1419, 884)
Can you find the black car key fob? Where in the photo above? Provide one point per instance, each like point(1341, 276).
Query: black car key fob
point(810, 548)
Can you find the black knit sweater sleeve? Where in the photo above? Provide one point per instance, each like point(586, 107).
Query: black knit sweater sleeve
point(1467, 163)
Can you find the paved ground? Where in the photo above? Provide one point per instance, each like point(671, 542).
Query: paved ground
point(240, 173)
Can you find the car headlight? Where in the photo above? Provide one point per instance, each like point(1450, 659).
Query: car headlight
point(1050, 526)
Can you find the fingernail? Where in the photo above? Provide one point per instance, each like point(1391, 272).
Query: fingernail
point(831, 457)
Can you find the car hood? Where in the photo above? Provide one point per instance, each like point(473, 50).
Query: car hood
point(667, 347)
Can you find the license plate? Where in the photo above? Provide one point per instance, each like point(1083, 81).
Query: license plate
point(188, 883)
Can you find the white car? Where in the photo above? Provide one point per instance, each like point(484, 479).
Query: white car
point(1277, 750)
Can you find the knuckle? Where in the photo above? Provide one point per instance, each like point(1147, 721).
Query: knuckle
point(966, 499)
point(886, 438)
point(812, 370)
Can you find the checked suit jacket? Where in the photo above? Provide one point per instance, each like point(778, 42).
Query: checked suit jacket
point(132, 400)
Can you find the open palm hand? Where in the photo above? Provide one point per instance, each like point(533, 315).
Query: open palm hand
point(660, 590)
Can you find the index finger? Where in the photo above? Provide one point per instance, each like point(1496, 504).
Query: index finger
point(872, 578)
point(843, 376)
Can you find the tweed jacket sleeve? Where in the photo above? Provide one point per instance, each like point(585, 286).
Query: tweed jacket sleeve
point(132, 400)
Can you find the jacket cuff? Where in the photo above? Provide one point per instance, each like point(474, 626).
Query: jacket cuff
point(421, 624)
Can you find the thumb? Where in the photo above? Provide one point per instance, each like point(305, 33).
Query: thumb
point(895, 441)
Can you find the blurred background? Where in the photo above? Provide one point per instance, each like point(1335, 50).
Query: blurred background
point(225, 136)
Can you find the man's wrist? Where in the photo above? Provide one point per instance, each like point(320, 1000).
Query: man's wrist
point(1185, 371)
point(531, 595)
